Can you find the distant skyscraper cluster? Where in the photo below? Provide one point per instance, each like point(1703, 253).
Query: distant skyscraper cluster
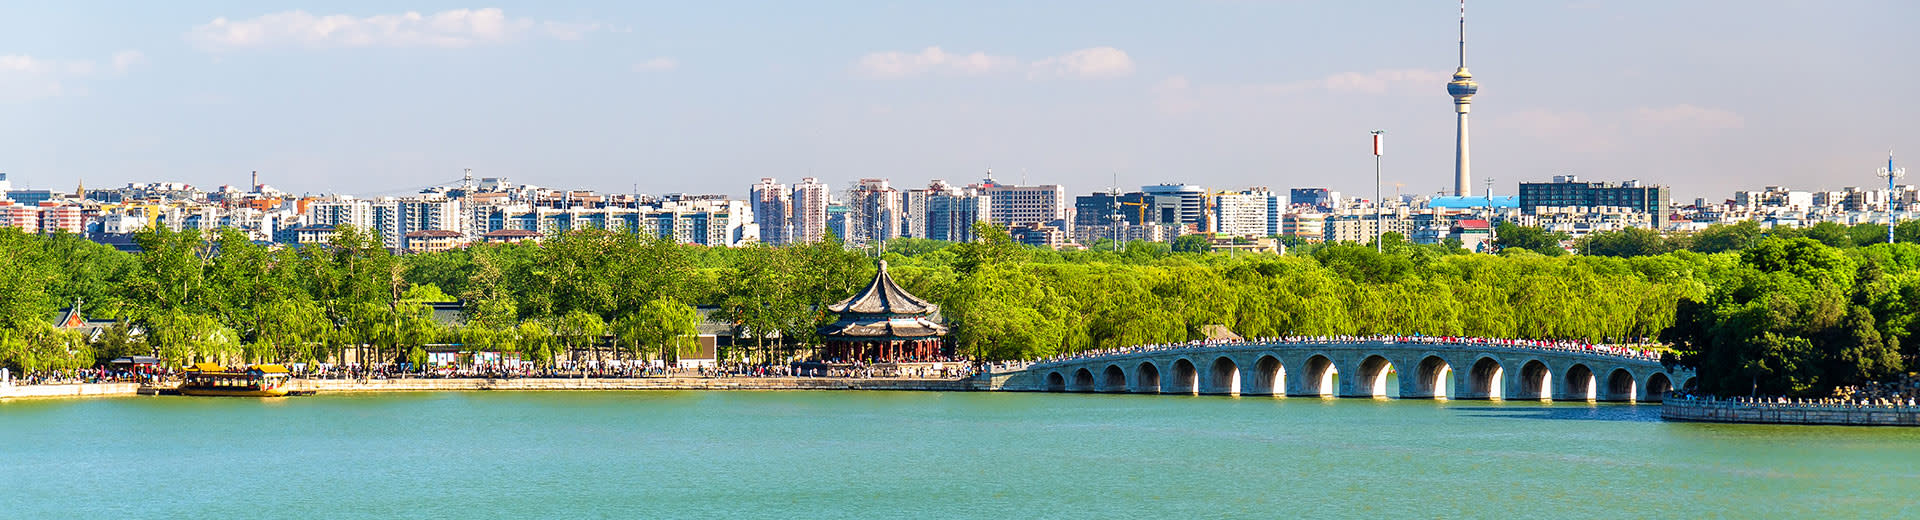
point(873, 211)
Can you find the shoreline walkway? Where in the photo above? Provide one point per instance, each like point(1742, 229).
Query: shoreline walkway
point(72, 390)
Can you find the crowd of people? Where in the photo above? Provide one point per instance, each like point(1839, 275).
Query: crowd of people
point(562, 370)
point(1847, 401)
point(1561, 345)
point(101, 374)
point(944, 369)
point(622, 370)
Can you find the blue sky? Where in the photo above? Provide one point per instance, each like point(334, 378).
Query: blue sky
point(361, 97)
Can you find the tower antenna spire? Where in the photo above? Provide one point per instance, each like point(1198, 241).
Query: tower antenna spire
point(1891, 173)
point(1463, 34)
point(1462, 89)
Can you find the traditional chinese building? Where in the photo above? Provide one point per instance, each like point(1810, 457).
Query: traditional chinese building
point(884, 323)
point(71, 319)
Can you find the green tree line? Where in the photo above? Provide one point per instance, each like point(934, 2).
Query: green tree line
point(221, 297)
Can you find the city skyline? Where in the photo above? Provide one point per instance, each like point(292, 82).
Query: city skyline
point(361, 98)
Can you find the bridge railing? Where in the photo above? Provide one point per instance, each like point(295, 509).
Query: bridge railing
point(1792, 403)
point(1608, 351)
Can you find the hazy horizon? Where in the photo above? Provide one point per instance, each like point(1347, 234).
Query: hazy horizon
point(365, 98)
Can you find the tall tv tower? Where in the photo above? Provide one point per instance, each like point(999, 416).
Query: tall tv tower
point(1891, 173)
point(1462, 88)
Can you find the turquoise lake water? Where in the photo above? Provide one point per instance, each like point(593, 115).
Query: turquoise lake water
point(924, 455)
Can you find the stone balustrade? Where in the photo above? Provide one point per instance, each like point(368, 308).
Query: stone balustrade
point(1791, 411)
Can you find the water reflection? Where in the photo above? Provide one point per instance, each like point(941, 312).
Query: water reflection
point(1565, 412)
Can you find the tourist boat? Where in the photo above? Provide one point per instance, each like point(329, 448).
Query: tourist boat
point(208, 379)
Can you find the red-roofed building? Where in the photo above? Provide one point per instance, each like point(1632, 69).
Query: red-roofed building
point(1475, 235)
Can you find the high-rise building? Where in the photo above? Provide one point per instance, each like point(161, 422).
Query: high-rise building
point(1462, 89)
point(873, 212)
point(1313, 198)
point(771, 209)
point(703, 220)
point(914, 209)
point(1247, 214)
point(343, 212)
point(952, 211)
point(389, 220)
point(1568, 191)
point(1012, 205)
point(1102, 209)
point(837, 221)
point(1178, 205)
point(808, 215)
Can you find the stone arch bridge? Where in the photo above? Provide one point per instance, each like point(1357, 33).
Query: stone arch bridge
point(1475, 371)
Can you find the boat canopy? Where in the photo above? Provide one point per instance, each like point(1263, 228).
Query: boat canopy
point(269, 369)
point(206, 367)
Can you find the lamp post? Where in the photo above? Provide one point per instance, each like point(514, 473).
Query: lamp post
point(1379, 137)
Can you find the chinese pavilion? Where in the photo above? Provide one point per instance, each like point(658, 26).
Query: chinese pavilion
point(883, 323)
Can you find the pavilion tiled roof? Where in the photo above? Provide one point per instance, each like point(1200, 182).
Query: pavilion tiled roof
point(883, 296)
point(885, 328)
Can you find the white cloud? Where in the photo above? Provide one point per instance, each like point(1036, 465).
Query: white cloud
point(657, 64)
point(1095, 62)
point(28, 77)
point(932, 60)
point(126, 59)
point(455, 28)
point(18, 64)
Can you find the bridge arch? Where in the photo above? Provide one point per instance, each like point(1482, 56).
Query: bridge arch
point(1432, 378)
point(1269, 377)
point(1223, 376)
point(1372, 380)
point(1082, 381)
point(1186, 379)
point(1620, 386)
point(1536, 381)
point(1658, 385)
point(1113, 379)
point(1316, 377)
point(1056, 383)
point(1146, 378)
point(1578, 383)
point(1484, 380)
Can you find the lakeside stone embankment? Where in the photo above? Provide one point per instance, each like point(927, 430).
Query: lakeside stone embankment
point(1764, 412)
point(530, 384)
point(644, 383)
point(8, 391)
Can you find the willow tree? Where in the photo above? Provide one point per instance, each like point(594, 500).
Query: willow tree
point(664, 326)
